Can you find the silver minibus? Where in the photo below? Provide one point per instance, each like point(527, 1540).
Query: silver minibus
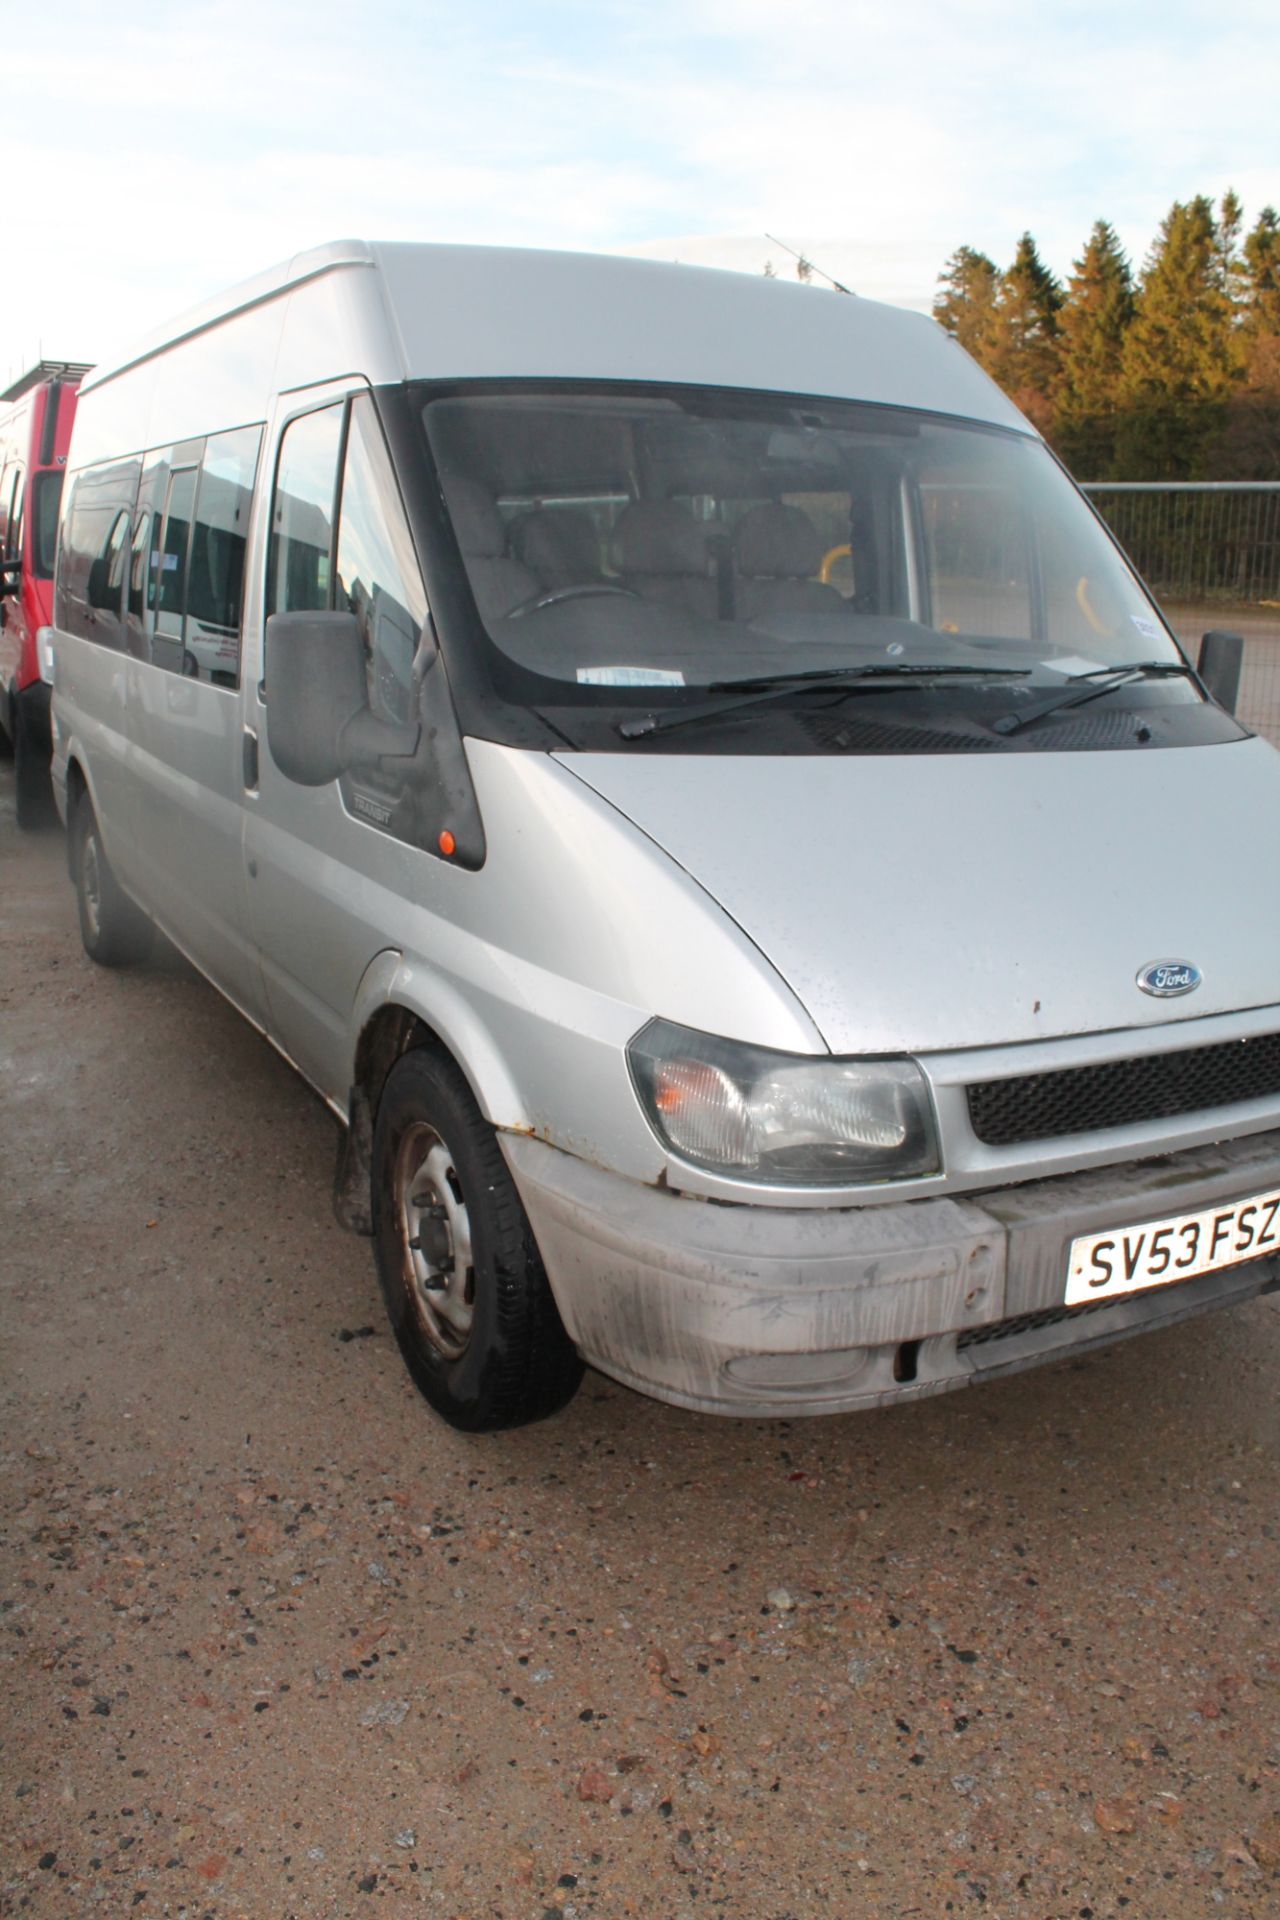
point(679, 768)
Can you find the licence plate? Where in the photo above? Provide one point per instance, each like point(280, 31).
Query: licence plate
point(1159, 1252)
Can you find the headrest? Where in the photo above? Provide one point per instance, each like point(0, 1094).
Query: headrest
point(777, 543)
point(658, 536)
point(475, 518)
point(556, 540)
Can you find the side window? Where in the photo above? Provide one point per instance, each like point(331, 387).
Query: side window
point(106, 573)
point(168, 636)
point(92, 565)
point(215, 580)
point(141, 576)
point(976, 559)
point(377, 573)
point(145, 555)
point(301, 542)
point(13, 527)
point(46, 498)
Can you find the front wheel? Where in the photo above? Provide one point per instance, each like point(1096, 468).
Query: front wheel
point(113, 930)
point(465, 1289)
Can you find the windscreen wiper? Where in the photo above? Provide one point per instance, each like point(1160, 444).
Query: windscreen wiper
point(1101, 680)
point(778, 686)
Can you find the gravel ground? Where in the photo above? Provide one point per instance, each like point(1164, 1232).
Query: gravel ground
point(276, 1643)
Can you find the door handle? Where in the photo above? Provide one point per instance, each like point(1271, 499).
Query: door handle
point(249, 759)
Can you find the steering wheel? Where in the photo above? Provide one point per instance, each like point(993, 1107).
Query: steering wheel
point(539, 600)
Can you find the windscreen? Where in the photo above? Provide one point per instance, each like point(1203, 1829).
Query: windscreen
point(630, 545)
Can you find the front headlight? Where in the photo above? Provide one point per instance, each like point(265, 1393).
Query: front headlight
point(44, 654)
point(783, 1119)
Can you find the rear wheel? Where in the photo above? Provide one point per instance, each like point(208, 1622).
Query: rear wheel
point(465, 1289)
point(113, 930)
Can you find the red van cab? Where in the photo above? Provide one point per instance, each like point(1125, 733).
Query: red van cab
point(35, 433)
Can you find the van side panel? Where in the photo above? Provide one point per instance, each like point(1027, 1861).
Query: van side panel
point(164, 744)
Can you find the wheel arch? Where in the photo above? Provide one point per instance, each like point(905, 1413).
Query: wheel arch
point(403, 1003)
point(77, 787)
point(400, 1006)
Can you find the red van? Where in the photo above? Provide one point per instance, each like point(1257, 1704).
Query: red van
point(35, 432)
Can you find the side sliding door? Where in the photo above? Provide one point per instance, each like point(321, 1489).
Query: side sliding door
point(185, 611)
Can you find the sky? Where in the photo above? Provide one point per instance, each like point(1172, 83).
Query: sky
point(155, 155)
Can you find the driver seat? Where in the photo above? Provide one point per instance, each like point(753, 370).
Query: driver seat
point(498, 582)
point(559, 545)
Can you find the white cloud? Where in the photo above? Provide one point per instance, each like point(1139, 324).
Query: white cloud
point(176, 151)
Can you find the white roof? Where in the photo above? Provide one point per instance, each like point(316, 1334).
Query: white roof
point(468, 313)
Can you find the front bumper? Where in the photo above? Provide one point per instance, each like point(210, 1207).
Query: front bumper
point(770, 1311)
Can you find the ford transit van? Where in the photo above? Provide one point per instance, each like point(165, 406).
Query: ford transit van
point(676, 764)
point(35, 431)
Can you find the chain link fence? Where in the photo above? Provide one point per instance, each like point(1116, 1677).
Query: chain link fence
point(1210, 552)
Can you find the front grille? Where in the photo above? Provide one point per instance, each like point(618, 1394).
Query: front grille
point(1118, 1093)
point(1028, 1323)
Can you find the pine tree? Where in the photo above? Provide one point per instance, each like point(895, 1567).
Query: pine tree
point(1181, 356)
point(966, 302)
point(1262, 267)
point(1025, 340)
point(1250, 445)
point(1094, 319)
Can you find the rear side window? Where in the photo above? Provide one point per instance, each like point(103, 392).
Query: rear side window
point(46, 498)
point(215, 573)
point(93, 554)
point(167, 649)
point(298, 556)
point(145, 555)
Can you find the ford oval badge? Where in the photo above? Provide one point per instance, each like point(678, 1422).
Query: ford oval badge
point(1168, 978)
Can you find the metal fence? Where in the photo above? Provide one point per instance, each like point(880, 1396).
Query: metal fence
point(1216, 540)
point(1210, 552)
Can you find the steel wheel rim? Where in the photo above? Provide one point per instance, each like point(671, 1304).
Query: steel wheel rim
point(91, 884)
point(435, 1239)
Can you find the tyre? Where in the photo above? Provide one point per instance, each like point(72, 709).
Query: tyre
point(465, 1289)
point(113, 930)
point(32, 792)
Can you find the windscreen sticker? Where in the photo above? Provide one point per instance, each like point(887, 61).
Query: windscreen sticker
point(1072, 664)
point(1147, 628)
point(629, 677)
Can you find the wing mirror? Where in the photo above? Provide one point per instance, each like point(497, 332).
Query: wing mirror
point(319, 723)
point(1221, 657)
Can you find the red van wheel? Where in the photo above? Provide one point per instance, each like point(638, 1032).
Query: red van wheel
point(32, 793)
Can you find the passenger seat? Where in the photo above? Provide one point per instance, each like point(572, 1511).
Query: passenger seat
point(662, 554)
point(776, 552)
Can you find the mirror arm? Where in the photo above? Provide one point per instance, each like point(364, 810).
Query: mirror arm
point(365, 738)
